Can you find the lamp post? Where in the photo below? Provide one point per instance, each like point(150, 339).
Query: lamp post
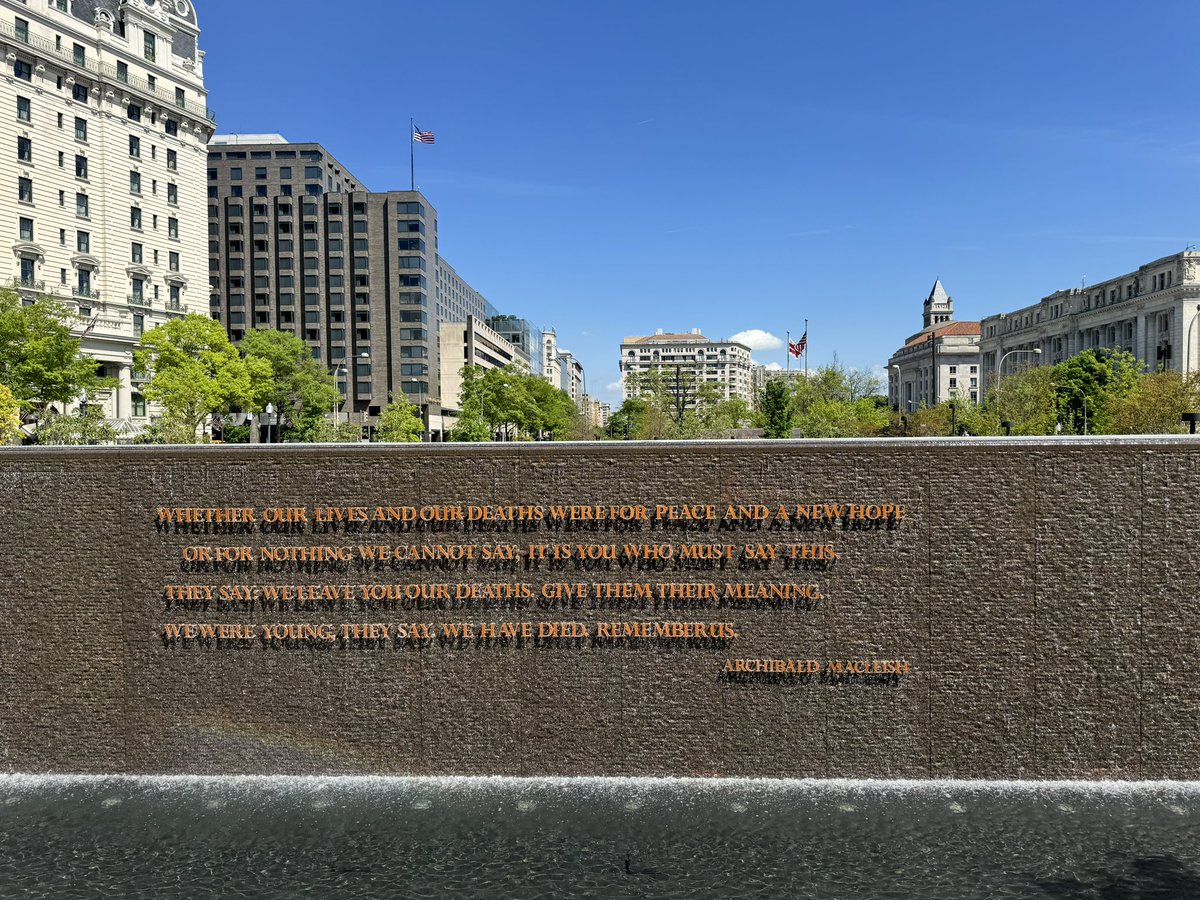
point(270, 411)
point(953, 418)
point(421, 408)
point(338, 370)
point(1187, 351)
point(1037, 351)
point(898, 400)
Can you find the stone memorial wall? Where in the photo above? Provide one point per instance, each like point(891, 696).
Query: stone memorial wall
point(919, 609)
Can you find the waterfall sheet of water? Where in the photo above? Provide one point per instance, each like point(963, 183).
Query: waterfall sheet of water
point(502, 837)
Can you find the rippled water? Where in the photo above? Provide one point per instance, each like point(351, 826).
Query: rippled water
point(277, 837)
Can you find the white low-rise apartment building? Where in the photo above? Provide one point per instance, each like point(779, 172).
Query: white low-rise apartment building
point(725, 363)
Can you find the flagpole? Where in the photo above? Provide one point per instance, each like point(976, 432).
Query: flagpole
point(788, 351)
point(806, 348)
point(412, 156)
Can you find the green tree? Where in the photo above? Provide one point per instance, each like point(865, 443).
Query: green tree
point(40, 362)
point(678, 404)
point(1155, 405)
point(1026, 399)
point(10, 416)
point(194, 371)
point(555, 414)
point(300, 389)
point(400, 423)
point(776, 409)
point(1088, 385)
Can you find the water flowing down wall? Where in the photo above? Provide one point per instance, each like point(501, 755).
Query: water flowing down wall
point(925, 609)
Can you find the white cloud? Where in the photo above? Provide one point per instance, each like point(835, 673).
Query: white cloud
point(616, 387)
point(757, 339)
point(773, 367)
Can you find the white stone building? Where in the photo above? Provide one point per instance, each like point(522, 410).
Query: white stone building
point(1151, 312)
point(725, 363)
point(938, 363)
point(107, 121)
point(551, 366)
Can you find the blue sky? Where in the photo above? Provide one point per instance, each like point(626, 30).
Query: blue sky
point(609, 169)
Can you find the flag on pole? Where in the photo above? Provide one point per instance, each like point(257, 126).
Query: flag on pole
point(797, 348)
point(423, 137)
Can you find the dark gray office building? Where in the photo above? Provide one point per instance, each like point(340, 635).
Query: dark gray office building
point(296, 243)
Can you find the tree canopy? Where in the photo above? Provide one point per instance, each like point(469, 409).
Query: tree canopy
point(300, 389)
point(40, 362)
point(193, 371)
point(510, 401)
point(400, 423)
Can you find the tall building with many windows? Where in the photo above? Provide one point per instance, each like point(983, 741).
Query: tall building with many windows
point(296, 243)
point(108, 123)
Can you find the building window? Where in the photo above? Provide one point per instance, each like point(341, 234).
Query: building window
point(148, 45)
point(173, 193)
point(235, 173)
point(135, 147)
point(83, 241)
point(24, 109)
point(134, 112)
point(172, 127)
point(25, 190)
point(79, 55)
point(139, 323)
point(135, 182)
point(81, 205)
point(24, 149)
point(23, 70)
point(172, 160)
point(26, 229)
point(81, 166)
point(79, 93)
point(136, 253)
point(80, 129)
point(173, 228)
point(138, 405)
point(123, 72)
point(135, 218)
point(22, 30)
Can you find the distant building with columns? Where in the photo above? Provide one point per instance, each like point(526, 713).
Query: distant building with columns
point(1150, 312)
point(938, 363)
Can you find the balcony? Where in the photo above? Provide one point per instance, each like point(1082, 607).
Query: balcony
point(28, 284)
point(175, 306)
point(85, 293)
point(105, 72)
point(138, 300)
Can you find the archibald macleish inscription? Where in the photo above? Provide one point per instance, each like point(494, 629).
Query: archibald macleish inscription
point(691, 577)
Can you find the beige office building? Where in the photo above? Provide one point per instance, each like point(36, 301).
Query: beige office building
point(470, 343)
point(106, 207)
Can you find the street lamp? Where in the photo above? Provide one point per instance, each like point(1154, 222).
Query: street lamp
point(338, 370)
point(898, 400)
point(1037, 351)
point(421, 408)
point(270, 411)
point(953, 418)
point(1187, 351)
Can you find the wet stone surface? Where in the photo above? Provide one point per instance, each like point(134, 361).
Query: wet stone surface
point(268, 837)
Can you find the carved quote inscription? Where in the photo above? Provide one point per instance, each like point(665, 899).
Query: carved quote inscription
point(696, 577)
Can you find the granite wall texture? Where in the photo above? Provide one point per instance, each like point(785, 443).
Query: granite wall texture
point(1042, 592)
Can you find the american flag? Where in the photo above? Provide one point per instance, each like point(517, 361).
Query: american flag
point(796, 348)
point(423, 137)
